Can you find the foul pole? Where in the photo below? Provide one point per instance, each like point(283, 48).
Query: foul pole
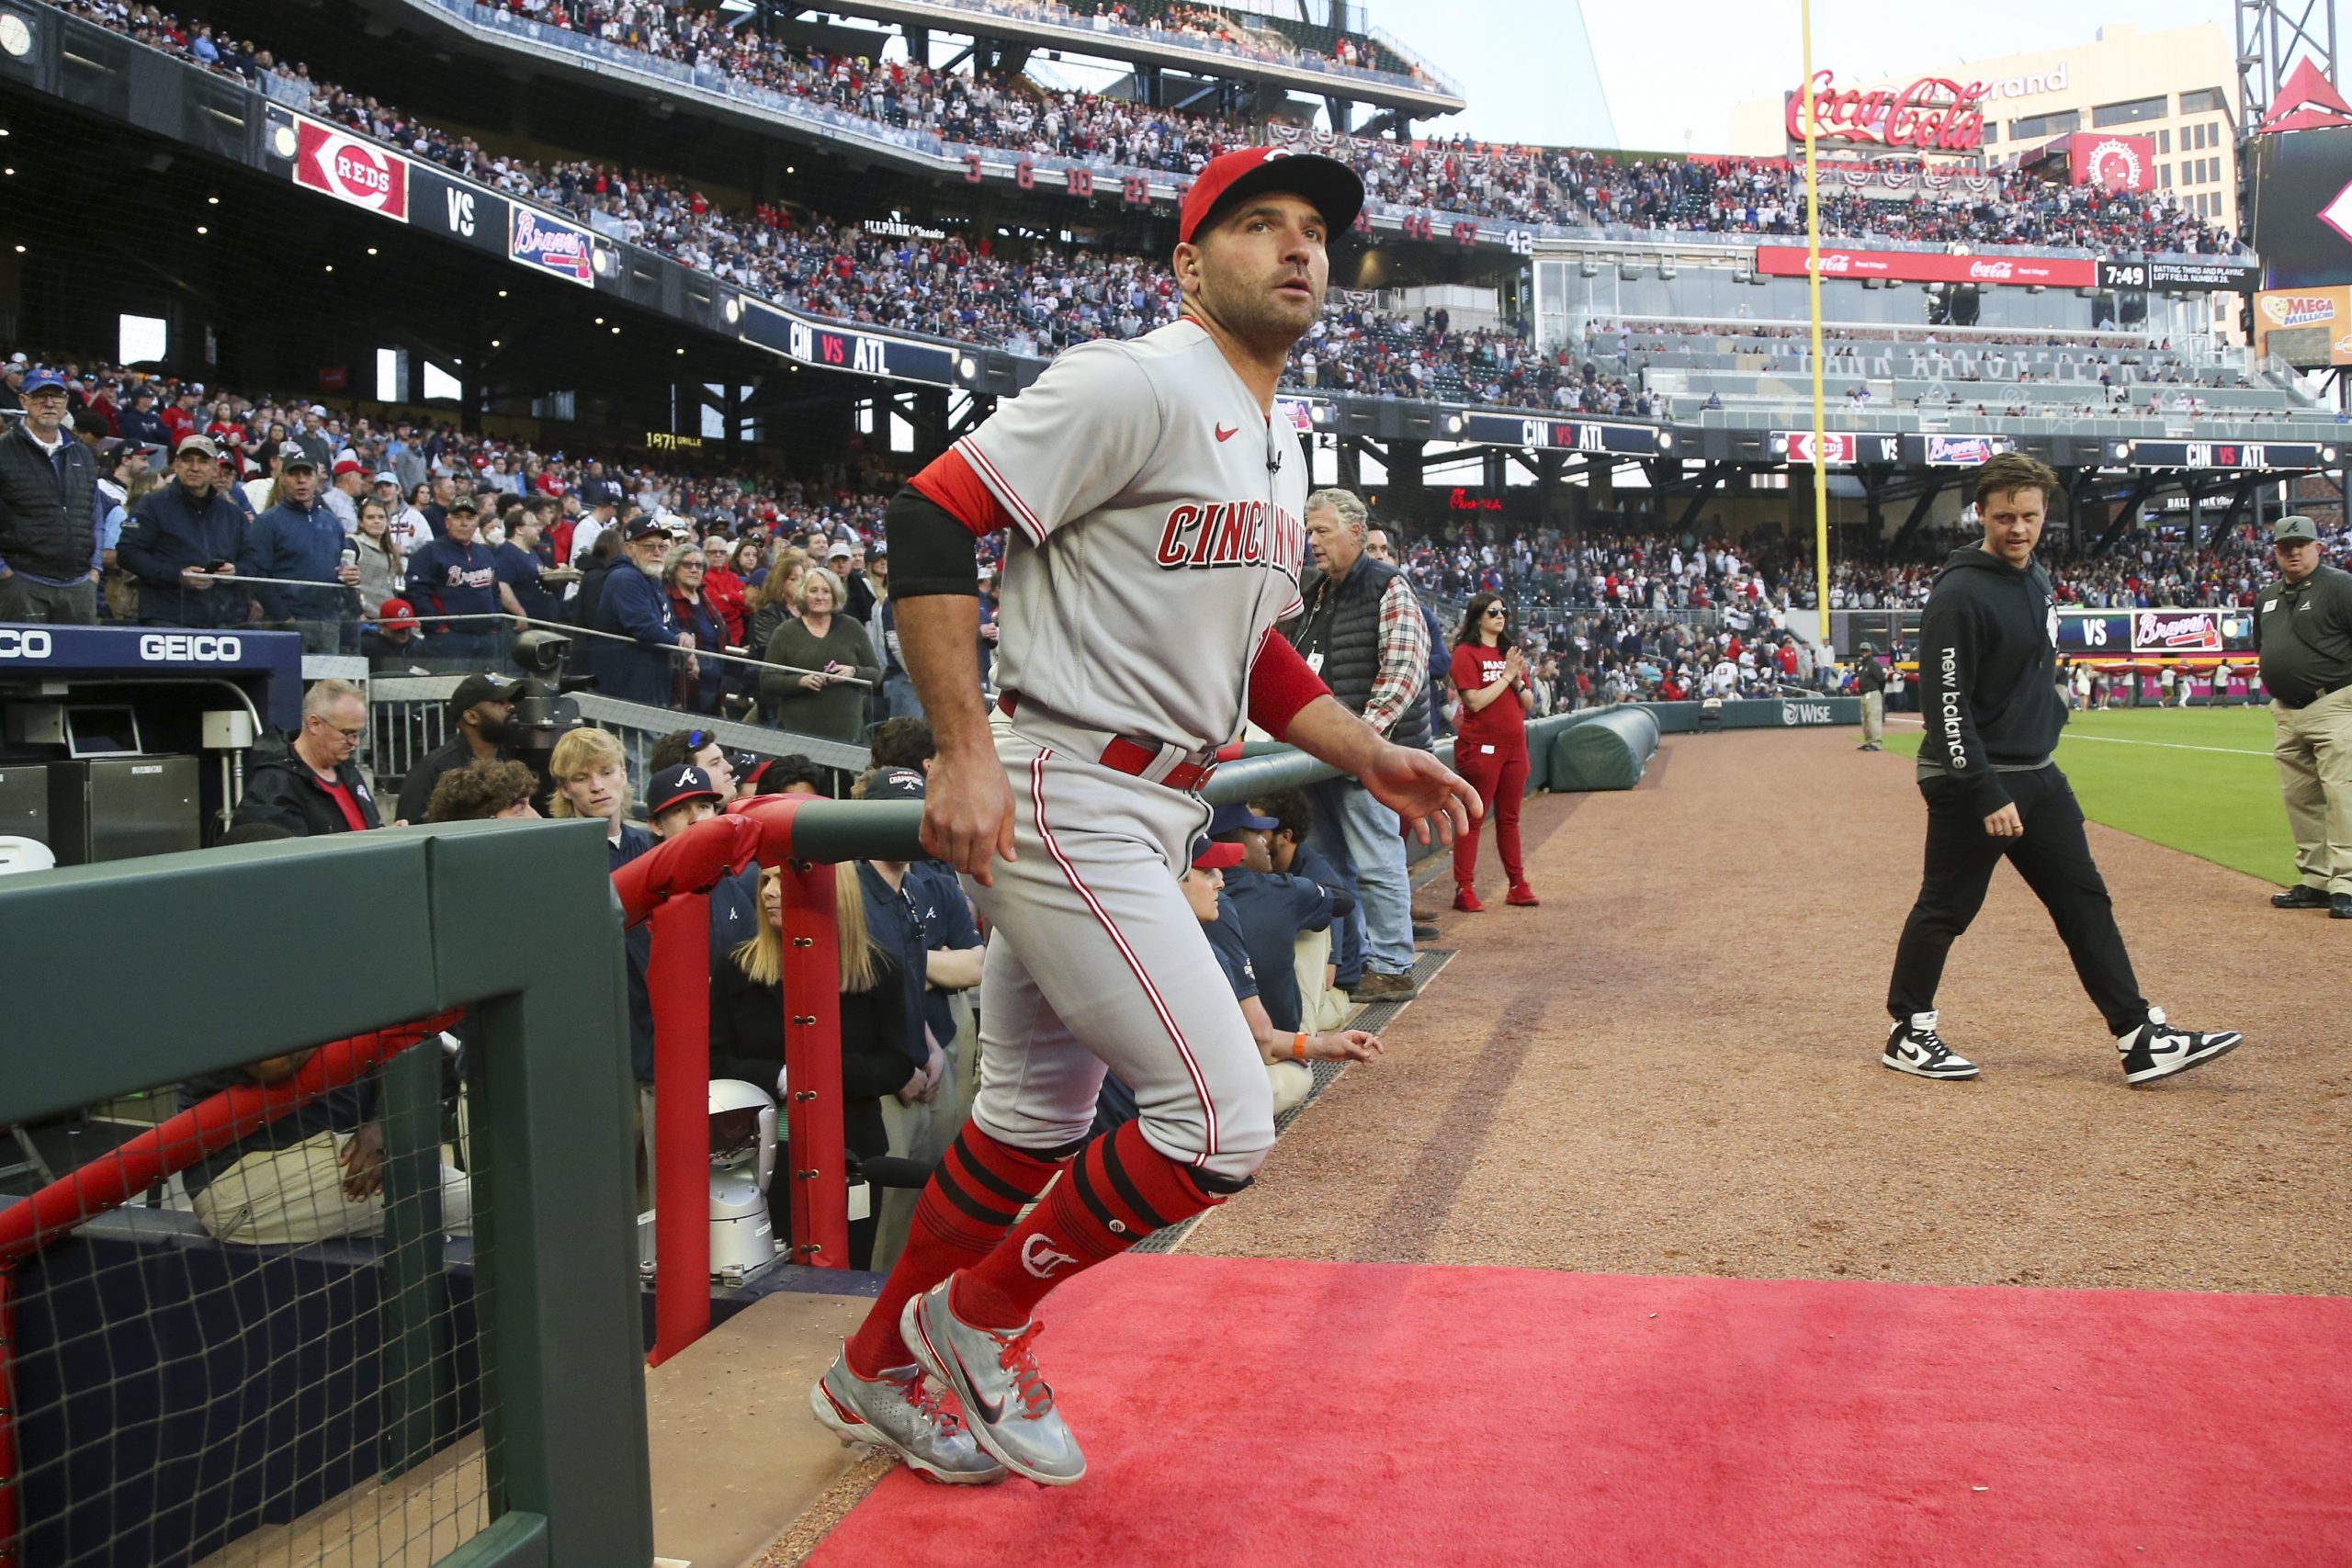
point(1813, 281)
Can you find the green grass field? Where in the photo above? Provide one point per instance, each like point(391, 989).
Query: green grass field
point(2200, 780)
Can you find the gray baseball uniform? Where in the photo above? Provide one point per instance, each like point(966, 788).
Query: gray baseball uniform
point(1157, 539)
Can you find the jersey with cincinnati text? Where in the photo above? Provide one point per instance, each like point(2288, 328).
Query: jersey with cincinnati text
point(1158, 536)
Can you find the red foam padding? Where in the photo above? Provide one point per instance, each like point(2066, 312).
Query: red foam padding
point(1238, 1412)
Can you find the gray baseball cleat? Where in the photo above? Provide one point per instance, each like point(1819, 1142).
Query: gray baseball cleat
point(895, 1413)
point(994, 1373)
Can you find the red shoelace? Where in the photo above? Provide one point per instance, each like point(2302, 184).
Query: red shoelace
point(1016, 1357)
point(930, 1402)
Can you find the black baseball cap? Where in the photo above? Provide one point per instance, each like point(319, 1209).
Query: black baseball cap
point(294, 455)
point(678, 785)
point(644, 529)
point(476, 689)
point(895, 783)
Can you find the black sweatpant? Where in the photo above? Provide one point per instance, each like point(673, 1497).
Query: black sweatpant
point(2055, 861)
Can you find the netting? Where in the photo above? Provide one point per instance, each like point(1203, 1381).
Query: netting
point(264, 1342)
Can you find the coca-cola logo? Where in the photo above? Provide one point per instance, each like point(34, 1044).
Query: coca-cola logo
point(1995, 271)
point(2114, 164)
point(1933, 113)
point(1838, 261)
point(2299, 310)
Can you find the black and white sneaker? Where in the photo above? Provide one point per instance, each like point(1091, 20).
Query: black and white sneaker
point(1915, 1048)
point(2156, 1050)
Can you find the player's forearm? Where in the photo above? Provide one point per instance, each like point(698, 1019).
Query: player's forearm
point(1325, 730)
point(939, 635)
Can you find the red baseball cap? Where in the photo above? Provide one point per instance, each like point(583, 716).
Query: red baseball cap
point(1209, 854)
point(1330, 185)
point(396, 615)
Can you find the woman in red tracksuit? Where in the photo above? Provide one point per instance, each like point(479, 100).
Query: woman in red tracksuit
point(1490, 749)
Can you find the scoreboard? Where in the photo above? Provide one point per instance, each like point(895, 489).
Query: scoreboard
point(2112, 633)
point(2245, 456)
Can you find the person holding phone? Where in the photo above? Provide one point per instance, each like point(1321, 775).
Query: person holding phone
point(178, 537)
point(830, 665)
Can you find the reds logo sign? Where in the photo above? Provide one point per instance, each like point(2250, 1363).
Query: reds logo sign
point(350, 170)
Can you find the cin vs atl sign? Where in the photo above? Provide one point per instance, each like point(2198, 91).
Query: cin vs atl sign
point(1934, 114)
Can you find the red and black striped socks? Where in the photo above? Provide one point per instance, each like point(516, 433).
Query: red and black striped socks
point(1117, 1191)
point(972, 1198)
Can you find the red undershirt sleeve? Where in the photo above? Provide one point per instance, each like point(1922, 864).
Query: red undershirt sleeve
point(1280, 685)
point(949, 481)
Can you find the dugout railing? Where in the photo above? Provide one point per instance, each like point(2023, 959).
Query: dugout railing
point(168, 968)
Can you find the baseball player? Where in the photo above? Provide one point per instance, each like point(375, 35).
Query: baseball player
point(1988, 648)
point(1156, 512)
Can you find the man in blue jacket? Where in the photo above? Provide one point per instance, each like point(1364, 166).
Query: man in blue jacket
point(634, 606)
point(299, 539)
point(50, 515)
point(456, 574)
point(181, 529)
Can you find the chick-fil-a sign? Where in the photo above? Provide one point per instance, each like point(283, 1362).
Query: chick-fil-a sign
point(1934, 114)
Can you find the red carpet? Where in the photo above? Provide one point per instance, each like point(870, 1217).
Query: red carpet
point(1239, 1412)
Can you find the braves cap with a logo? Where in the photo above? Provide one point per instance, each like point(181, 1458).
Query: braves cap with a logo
point(2294, 530)
point(676, 786)
point(895, 783)
point(1329, 185)
point(292, 455)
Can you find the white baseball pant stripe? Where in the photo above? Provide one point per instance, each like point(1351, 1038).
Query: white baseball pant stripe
point(1096, 961)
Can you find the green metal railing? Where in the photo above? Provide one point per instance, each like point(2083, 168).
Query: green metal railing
point(249, 953)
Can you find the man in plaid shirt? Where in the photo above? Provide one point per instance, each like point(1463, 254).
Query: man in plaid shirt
point(1363, 633)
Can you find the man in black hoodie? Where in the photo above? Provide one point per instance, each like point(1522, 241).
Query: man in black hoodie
point(1988, 644)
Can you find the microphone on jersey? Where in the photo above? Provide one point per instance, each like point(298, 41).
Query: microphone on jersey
point(1273, 461)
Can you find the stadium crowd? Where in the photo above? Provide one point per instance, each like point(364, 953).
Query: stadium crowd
point(1455, 176)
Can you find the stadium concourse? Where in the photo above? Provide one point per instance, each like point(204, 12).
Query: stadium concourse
point(474, 341)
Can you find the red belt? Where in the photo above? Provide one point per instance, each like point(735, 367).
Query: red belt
point(1126, 755)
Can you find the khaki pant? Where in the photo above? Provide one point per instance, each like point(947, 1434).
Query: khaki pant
point(294, 1195)
point(2314, 748)
point(1873, 718)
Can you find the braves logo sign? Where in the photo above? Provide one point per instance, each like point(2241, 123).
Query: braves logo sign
point(350, 170)
point(2198, 631)
point(551, 246)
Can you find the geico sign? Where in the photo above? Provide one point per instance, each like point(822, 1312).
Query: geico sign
point(15, 643)
point(183, 647)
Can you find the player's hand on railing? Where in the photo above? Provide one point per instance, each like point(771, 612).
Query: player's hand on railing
point(1421, 790)
point(967, 813)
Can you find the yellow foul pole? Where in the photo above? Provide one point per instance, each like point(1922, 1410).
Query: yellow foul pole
point(1813, 279)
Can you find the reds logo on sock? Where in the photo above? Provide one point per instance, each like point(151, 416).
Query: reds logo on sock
point(1037, 1256)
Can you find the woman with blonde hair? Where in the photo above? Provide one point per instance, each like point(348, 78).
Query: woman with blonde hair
point(829, 665)
point(775, 600)
point(747, 1023)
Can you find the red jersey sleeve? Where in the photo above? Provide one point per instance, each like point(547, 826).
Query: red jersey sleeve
point(1280, 685)
point(949, 481)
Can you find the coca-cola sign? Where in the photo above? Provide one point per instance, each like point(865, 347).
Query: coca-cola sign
point(1934, 114)
point(1932, 266)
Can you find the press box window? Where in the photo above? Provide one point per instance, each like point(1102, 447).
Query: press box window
point(2064, 124)
point(2204, 100)
point(2128, 113)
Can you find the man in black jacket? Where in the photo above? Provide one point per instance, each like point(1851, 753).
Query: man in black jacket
point(179, 530)
point(315, 788)
point(481, 711)
point(1988, 644)
point(50, 513)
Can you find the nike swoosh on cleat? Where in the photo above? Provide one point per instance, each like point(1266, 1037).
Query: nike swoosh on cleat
point(992, 1414)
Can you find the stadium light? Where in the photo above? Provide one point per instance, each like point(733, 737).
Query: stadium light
point(502, 294)
point(600, 320)
point(1665, 441)
point(494, 343)
point(967, 367)
point(371, 250)
point(733, 310)
point(284, 142)
point(212, 201)
point(682, 351)
point(2327, 454)
point(20, 250)
point(199, 228)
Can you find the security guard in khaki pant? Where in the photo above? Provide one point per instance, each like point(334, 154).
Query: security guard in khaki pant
point(2302, 627)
